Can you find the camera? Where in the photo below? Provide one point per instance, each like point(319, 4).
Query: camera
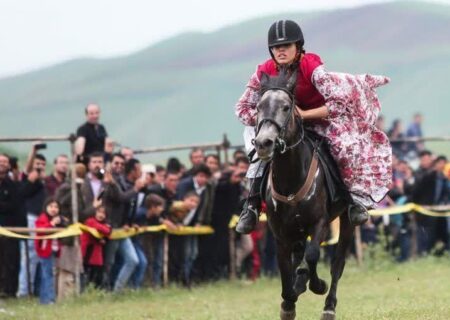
point(100, 174)
point(40, 146)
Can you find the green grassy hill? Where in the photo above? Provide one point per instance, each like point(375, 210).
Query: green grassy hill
point(183, 89)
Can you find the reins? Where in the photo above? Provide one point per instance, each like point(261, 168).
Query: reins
point(282, 147)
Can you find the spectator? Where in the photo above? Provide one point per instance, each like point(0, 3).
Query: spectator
point(399, 148)
point(167, 191)
point(56, 179)
point(181, 213)
point(174, 165)
point(415, 131)
point(199, 183)
point(239, 153)
point(92, 247)
point(228, 194)
point(121, 212)
point(196, 157)
point(431, 189)
point(212, 161)
point(47, 250)
point(118, 169)
point(109, 150)
point(160, 175)
point(34, 197)
point(425, 162)
point(10, 211)
point(127, 153)
point(91, 136)
point(148, 214)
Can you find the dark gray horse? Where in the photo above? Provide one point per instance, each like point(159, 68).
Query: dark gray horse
point(297, 197)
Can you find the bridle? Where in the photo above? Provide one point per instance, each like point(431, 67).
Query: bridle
point(280, 141)
point(280, 144)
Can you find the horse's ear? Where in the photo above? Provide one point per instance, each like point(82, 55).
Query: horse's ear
point(292, 82)
point(264, 79)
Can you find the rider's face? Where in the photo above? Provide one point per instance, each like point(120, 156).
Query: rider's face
point(284, 54)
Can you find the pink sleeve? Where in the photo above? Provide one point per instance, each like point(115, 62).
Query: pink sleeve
point(245, 108)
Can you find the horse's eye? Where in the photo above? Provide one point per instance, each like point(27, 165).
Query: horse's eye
point(286, 108)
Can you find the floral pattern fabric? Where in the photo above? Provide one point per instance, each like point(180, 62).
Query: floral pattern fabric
point(362, 152)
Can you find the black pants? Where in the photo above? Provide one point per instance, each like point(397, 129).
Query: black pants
point(94, 274)
point(9, 266)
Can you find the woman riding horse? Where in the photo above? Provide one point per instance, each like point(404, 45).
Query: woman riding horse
point(340, 107)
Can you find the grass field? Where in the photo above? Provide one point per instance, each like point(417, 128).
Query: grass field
point(414, 291)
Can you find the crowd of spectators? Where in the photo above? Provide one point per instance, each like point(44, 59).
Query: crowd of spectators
point(115, 190)
point(420, 177)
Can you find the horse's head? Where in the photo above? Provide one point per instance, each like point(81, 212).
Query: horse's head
point(275, 113)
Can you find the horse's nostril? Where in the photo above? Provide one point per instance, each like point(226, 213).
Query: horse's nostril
point(268, 143)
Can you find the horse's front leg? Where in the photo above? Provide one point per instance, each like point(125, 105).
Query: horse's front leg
point(312, 256)
point(301, 270)
point(288, 294)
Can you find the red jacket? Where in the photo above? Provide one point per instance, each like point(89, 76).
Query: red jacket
point(44, 247)
point(92, 246)
point(306, 93)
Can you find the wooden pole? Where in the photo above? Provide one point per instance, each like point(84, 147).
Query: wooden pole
point(166, 260)
point(32, 139)
point(226, 145)
point(75, 218)
point(358, 246)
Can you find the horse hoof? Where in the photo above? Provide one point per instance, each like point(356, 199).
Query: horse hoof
point(300, 281)
point(287, 315)
point(318, 287)
point(328, 315)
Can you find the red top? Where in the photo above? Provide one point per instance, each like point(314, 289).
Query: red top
point(92, 245)
point(306, 94)
point(44, 247)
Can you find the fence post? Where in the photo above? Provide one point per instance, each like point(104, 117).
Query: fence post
point(75, 217)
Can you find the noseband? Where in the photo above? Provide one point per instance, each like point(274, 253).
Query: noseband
point(280, 141)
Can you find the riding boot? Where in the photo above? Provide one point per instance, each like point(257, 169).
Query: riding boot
point(357, 213)
point(252, 207)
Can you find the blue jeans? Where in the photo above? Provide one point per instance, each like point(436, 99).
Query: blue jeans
point(130, 261)
point(33, 261)
point(158, 259)
point(47, 286)
point(138, 276)
point(190, 254)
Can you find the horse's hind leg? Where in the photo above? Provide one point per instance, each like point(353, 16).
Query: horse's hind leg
point(288, 294)
point(312, 256)
point(301, 271)
point(337, 266)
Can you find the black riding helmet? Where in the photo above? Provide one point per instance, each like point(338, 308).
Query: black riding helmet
point(284, 32)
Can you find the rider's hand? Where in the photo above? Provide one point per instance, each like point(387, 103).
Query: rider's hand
point(299, 112)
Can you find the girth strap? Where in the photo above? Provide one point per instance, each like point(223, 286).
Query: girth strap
point(293, 199)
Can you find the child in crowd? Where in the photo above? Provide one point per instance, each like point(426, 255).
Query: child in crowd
point(92, 247)
point(182, 213)
point(154, 206)
point(47, 250)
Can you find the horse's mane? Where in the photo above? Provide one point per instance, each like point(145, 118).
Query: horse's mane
point(286, 79)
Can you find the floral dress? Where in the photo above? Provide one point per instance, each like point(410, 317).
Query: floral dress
point(362, 152)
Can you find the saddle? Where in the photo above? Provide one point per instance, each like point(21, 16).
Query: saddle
point(337, 191)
